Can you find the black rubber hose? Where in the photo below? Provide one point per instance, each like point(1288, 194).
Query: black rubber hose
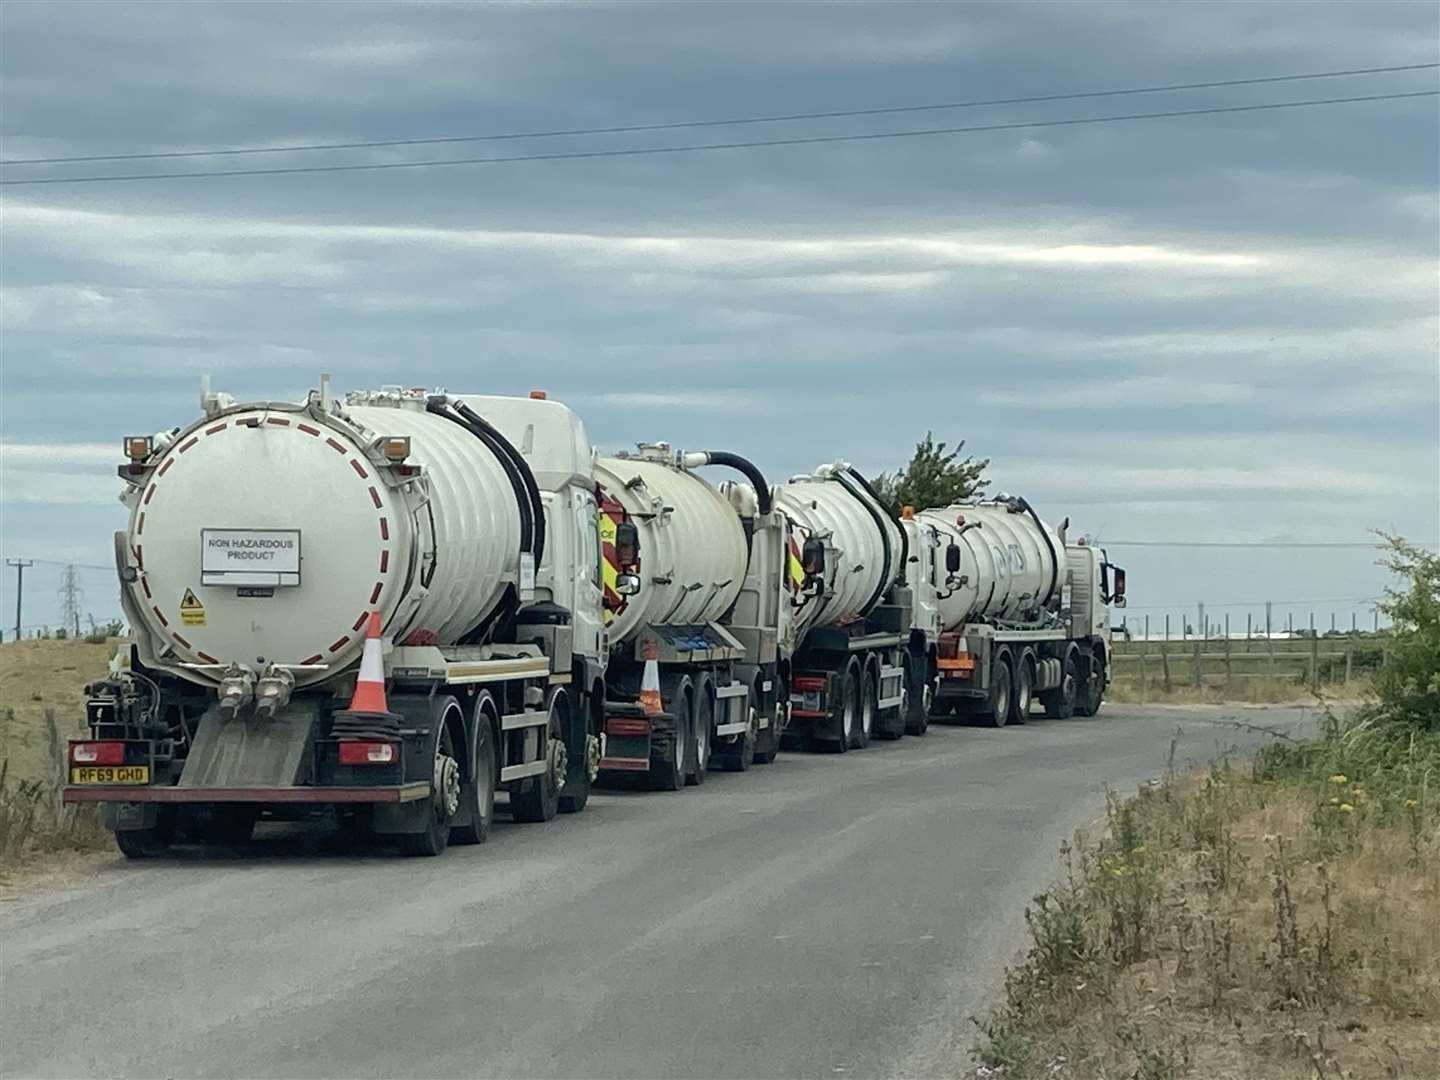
point(875, 513)
point(1054, 557)
point(904, 536)
point(522, 467)
point(523, 504)
point(752, 473)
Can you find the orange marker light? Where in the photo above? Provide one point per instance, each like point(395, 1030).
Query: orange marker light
point(538, 395)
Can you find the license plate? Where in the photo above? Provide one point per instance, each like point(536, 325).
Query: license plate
point(110, 774)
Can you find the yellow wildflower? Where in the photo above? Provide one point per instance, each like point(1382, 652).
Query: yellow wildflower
point(1335, 800)
point(1339, 778)
point(1346, 808)
point(1411, 804)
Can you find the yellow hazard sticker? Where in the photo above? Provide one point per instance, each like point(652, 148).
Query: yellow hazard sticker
point(192, 611)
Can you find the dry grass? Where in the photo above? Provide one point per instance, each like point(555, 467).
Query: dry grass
point(1241, 925)
point(42, 703)
point(1126, 690)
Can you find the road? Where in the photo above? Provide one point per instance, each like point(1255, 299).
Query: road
point(819, 917)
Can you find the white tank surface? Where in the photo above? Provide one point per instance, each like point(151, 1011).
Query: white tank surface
point(266, 533)
point(863, 543)
point(1008, 561)
point(693, 553)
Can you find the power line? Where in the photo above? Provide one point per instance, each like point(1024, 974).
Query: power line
point(740, 145)
point(626, 129)
point(1178, 605)
point(1242, 544)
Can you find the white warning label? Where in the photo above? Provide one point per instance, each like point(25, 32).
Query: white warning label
point(250, 557)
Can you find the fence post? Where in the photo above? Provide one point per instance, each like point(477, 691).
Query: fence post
point(1270, 648)
point(1229, 674)
point(1198, 646)
point(1165, 665)
point(1247, 631)
point(1349, 659)
point(1314, 663)
point(1167, 626)
point(1144, 677)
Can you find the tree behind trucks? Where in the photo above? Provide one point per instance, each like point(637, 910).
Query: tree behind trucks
point(935, 477)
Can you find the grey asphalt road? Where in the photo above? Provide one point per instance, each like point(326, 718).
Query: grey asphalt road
point(819, 917)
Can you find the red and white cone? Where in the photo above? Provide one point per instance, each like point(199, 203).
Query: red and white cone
point(369, 714)
point(650, 682)
point(370, 683)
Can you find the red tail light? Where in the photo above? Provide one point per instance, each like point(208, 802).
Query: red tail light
point(369, 753)
point(810, 682)
point(97, 753)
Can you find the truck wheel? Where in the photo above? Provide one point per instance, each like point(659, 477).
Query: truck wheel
point(668, 750)
point(576, 793)
point(740, 755)
point(767, 742)
point(849, 713)
point(539, 796)
point(702, 732)
point(477, 795)
point(918, 703)
point(868, 699)
point(1020, 691)
point(444, 799)
point(1060, 702)
point(1092, 691)
point(997, 706)
point(148, 843)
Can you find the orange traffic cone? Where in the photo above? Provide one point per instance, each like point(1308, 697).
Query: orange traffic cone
point(650, 682)
point(370, 683)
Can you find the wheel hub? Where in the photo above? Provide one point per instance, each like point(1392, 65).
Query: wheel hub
point(447, 785)
point(559, 763)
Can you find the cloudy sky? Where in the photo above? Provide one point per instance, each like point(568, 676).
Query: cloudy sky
point(1211, 328)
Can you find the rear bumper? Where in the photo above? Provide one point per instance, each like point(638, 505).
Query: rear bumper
point(398, 793)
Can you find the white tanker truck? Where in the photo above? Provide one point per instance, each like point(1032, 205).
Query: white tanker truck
point(261, 538)
point(851, 675)
point(706, 602)
point(1007, 610)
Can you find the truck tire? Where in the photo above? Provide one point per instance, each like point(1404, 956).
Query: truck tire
point(1060, 702)
point(1023, 681)
point(702, 732)
point(444, 799)
point(848, 718)
point(576, 793)
point(996, 710)
point(740, 755)
point(477, 794)
point(917, 698)
point(1091, 692)
point(869, 697)
point(148, 843)
point(668, 750)
point(767, 742)
point(539, 796)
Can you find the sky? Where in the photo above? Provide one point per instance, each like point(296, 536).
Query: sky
point(1217, 328)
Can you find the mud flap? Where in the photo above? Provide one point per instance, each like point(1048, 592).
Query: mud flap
point(249, 752)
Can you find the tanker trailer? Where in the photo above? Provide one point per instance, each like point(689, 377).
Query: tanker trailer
point(706, 604)
point(1007, 610)
point(448, 541)
point(851, 673)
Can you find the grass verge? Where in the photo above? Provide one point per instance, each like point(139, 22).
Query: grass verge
point(41, 705)
point(1275, 920)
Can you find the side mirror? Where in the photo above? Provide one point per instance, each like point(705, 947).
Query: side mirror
point(627, 584)
point(1117, 595)
point(812, 557)
point(952, 558)
point(627, 546)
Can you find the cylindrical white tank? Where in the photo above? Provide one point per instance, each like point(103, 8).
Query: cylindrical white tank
point(863, 543)
point(273, 474)
point(1007, 563)
point(693, 553)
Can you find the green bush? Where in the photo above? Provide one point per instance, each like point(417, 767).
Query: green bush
point(1409, 684)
